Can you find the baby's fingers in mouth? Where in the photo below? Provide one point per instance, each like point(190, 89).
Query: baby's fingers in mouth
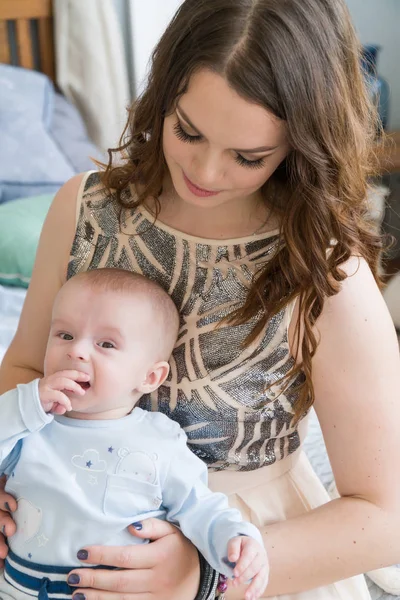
point(85, 385)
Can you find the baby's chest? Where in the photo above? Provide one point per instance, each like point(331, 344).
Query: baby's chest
point(108, 475)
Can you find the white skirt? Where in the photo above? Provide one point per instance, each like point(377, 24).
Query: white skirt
point(281, 491)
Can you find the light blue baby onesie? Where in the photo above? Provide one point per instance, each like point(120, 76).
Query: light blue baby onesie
point(82, 482)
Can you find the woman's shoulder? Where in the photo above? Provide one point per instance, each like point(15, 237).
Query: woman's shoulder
point(98, 207)
point(92, 188)
point(76, 192)
point(356, 317)
point(358, 289)
point(356, 309)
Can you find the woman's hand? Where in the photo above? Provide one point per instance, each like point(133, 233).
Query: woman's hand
point(166, 569)
point(8, 504)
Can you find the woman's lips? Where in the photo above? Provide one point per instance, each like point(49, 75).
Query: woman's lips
point(197, 191)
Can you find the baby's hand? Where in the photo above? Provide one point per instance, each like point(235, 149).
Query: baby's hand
point(251, 563)
point(52, 388)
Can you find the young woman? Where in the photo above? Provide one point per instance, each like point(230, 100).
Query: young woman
point(241, 187)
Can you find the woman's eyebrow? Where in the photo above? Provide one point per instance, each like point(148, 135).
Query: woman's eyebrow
point(245, 151)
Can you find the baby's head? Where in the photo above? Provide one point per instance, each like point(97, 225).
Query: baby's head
point(117, 327)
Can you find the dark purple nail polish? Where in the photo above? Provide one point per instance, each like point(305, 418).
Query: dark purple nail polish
point(7, 506)
point(73, 579)
point(228, 563)
point(138, 526)
point(82, 555)
point(79, 597)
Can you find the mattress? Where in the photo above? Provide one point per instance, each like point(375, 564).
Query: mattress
point(11, 301)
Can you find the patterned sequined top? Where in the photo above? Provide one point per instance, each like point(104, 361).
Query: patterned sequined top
point(215, 387)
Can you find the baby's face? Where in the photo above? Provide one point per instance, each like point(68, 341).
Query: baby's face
point(106, 336)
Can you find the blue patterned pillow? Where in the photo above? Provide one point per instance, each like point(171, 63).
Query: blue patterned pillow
point(31, 163)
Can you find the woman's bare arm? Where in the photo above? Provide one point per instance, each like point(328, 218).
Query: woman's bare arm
point(356, 373)
point(23, 360)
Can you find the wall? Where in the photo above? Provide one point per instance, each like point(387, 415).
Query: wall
point(147, 20)
point(378, 22)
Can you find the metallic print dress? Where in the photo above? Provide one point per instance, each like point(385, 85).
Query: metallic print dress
point(215, 387)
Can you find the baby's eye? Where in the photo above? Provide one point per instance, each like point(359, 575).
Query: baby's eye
point(66, 336)
point(107, 345)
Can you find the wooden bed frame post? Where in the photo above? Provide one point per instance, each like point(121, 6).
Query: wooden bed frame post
point(22, 12)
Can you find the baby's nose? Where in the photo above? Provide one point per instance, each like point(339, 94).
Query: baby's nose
point(78, 352)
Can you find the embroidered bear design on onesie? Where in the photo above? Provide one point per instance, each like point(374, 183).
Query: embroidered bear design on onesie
point(139, 464)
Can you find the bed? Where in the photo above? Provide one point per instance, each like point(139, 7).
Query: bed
point(32, 21)
point(11, 301)
point(43, 143)
point(38, 125)
point(26, 43)
point(26, 40)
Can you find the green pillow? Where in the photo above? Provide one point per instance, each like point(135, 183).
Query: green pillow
point(21, 222)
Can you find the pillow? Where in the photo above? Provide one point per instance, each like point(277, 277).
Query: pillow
point(69, 132)
point(21, 222)
point(31, 162)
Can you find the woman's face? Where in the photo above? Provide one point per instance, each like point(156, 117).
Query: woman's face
point(220, 148)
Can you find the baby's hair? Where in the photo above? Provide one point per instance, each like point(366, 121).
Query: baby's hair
point(166, 317)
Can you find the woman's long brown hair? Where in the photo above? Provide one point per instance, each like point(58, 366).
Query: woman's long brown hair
point(300, 60)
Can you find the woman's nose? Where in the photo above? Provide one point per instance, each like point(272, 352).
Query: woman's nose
point(208, 169)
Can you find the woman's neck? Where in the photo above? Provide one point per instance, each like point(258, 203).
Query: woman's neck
point(232, 220)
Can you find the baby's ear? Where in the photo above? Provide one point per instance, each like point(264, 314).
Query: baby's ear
point(154, 378)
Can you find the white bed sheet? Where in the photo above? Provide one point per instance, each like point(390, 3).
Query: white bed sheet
point(11, 301)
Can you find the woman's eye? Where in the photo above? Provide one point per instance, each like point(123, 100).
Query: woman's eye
point(250, 164)
point(107, 345)
point(66, 336)
point(185, 137)
point(193, 139)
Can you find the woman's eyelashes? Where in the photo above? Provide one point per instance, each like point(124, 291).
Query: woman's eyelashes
point(193, 139)
point(185, 137)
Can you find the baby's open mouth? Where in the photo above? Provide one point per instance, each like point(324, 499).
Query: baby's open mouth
point(85, 385)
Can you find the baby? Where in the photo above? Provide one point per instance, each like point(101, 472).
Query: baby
point(84, 463)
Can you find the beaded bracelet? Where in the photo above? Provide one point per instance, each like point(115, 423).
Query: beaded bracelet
point(213, 585)
point(209, 579)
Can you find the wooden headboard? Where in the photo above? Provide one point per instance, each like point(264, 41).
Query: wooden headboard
point(26, 35)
